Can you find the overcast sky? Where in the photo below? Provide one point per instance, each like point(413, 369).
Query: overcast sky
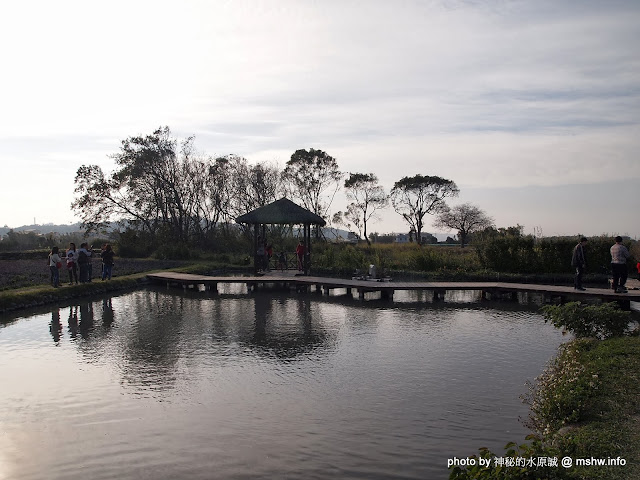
point(531, 107)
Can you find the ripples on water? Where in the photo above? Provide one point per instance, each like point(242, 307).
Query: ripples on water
point(160, 384)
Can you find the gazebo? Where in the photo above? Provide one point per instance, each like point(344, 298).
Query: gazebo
point(282, 212)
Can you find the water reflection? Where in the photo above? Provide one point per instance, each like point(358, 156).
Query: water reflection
point(55, 327)
point(86, 319)
point(284, 328)
point(263, 385)
point(81, 320)
point(73, 322)
point(151, 349)
point(108, 316)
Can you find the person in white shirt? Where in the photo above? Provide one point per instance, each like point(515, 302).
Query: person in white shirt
point(55, 262)
point(619, 256)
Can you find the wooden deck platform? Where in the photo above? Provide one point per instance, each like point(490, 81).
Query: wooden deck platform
point(490, 290)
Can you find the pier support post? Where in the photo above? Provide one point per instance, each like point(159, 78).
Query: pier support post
point(349, 292)
point(326, 290)
point(438, 295)
point(386, 294)
point(361, 294)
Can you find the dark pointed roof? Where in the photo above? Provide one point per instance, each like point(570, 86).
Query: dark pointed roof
point(282, 211)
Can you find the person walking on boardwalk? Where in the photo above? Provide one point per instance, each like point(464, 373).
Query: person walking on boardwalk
point(55, 262)
point(579, 262)
point(619, 256)
point(72, 266)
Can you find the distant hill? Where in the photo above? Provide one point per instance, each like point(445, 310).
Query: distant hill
point(46, 228)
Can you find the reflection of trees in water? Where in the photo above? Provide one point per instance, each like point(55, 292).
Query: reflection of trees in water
point(151, 351)
point(287, 328)
point(270, 323)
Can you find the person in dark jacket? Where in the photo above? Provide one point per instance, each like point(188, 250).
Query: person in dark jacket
point(579, 262)
point(107, 262)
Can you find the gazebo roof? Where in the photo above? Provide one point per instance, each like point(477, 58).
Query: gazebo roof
point(282, 211)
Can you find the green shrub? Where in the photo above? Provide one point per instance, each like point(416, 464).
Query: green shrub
point(564, 391)
point(511, 253)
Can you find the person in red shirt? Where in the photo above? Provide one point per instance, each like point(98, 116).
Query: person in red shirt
point(269, 254)
point(300, 255)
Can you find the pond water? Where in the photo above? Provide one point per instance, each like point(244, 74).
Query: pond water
point(163, 384)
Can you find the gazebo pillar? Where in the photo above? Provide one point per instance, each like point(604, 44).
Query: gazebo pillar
point(255, 248)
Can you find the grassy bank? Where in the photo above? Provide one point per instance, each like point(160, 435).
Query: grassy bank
point(17, 298)
point(585, 405)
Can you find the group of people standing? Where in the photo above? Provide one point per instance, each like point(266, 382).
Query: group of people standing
point(619, 256)
point(79, 263)
point(265, 253)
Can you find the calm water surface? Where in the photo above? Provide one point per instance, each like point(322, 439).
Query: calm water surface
point(162, 384)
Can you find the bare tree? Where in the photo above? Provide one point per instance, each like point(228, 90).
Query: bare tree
point(465, 219)
point(414, 197)
point(367, 196)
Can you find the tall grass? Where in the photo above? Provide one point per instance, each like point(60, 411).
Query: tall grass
point(393, 257)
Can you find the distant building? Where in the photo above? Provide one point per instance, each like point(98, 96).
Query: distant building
point(426, 238)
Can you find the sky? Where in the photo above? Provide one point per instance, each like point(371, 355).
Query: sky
point(531, 107)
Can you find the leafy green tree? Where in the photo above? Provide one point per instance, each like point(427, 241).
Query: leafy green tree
point(160, 187)
point(465, 219)
point(308, 175)
point(414, 197)
point(367, 196)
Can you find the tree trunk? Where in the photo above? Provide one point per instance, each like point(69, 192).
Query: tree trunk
point(463, 239)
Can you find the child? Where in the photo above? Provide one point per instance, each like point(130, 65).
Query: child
point(282, 261)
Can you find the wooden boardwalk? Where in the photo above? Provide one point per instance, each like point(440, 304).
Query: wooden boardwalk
point(490, 290)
